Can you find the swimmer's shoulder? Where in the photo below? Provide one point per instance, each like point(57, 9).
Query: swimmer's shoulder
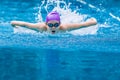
point(41, 26)
point(63, 27)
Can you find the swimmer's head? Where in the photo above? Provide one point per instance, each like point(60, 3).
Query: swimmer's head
point(53, 16)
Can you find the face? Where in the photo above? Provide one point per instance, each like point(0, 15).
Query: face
point(53, 26)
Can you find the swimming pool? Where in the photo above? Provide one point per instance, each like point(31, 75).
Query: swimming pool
point(86, 54)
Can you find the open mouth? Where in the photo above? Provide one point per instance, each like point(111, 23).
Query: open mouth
point(53, 32)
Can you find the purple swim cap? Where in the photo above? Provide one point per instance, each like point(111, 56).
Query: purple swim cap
point(53, 16)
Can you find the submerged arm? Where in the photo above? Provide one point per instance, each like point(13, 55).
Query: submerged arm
point(89, 22)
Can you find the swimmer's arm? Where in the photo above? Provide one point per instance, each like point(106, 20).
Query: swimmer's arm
point(34, 26)
point(89, 22)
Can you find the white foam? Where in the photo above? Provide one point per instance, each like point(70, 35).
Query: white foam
point(91, 30)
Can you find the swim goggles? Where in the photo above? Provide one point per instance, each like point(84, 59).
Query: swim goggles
point(51, 25)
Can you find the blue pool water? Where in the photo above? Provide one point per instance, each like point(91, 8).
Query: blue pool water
point(86, 54)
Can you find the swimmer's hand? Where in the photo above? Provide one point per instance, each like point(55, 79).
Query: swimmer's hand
point(17, 23)
point(92, 21)
point(13, 23)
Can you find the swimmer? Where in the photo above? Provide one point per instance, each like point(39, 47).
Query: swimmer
point(53, 24)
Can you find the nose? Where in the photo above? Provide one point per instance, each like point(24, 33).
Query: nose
point(53, 27)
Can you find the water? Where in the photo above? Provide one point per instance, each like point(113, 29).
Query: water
point(86, 54)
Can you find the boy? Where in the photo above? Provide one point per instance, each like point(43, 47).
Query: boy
point(53, 24)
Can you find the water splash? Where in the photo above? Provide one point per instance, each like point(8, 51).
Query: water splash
point(103, 10)
point(115, 17)
point(67, 15)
